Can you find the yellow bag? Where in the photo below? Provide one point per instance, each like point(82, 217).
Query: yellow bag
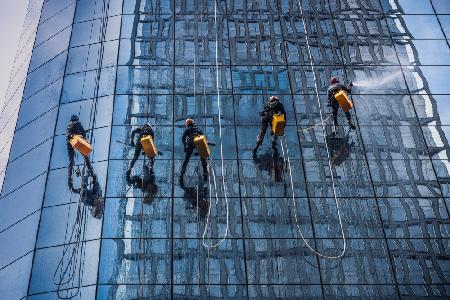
point(344, 102)
point(80, 144)
point(202, 146)
point(149, 146)
point(278, 124)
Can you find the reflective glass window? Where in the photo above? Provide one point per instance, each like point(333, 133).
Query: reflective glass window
point(18, 240)
point(46, 262)
point(54, 25)
point(39, 103)
point(30, 198)
point(14, 278)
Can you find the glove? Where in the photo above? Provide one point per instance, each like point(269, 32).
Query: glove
point(350, 84)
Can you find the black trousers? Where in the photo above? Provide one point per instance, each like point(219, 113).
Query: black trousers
point(187, 157)
point(137, 151)
point(335, 115)
point(266, 121)
point(71, 153)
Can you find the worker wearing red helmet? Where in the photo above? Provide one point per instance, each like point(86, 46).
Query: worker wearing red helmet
point(273, 106)
point(334, 87)
point(188, 142)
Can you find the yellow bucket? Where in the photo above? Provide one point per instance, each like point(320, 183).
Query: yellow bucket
point(344, 102)
point(80, 144)
point(202, 146)
point(278, 124)
point(149, 146)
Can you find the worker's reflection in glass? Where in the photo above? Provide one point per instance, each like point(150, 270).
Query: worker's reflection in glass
point(274, 166)
point(146, 183)
point(91, 195)
point(196, 197)
point(340, 147)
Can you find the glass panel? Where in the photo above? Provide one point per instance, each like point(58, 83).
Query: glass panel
point(435, 52)
point(40, 103)
point(137, 217)
point(18, 240)
point(14, 278)
point(57, 223)
point(47, 268)
point(55, 24)
point(50, 49)
point(135, 261)
point(33, 134)
point(88, 10)
point(92, 114)
point(46, 74)
point(30, 198)
point(53, 7)
point(57, 191)
point(22, 170)
point(280, 261)
point(133, 291)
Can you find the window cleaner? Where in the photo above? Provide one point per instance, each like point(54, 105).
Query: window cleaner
point(145, 142)
point(192, 138)
point(337, 97)
point(76, 139)
point(274, 115)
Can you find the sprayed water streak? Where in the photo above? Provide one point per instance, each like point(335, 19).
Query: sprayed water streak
point(377, 82)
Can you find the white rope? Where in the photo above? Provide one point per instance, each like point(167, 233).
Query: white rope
point(316, 125)
point(221, 150)
point(328, 155)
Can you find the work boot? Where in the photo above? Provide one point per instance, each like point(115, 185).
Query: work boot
point(352, 126)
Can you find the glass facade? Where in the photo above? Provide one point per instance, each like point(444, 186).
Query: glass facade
point(120, 64)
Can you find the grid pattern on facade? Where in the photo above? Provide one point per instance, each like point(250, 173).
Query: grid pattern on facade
point(154, 61)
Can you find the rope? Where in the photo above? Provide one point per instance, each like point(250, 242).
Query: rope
point(77, 258)
point(316, 125)
point(209, 246)
point(328, 155)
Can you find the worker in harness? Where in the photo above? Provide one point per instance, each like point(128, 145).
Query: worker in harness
point(188, 142)
point(142, 132)
point(274, 106)
point(334, 88)
point(75, 128)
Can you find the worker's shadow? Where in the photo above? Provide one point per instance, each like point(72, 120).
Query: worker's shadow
point(340, 147)
point(91, 195)
point(146, 183)
point(196, 197)
point(274, 166)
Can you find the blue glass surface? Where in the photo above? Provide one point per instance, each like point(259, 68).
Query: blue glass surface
point(387, 182)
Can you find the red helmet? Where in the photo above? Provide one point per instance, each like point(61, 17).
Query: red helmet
point(333, 80)
point(273, 98)
point(188, 122)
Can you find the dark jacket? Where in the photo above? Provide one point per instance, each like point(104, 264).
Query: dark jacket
point(75, 128)
point(141, 132)
point(333, 89)
point(188, 136)
point(271, 108)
